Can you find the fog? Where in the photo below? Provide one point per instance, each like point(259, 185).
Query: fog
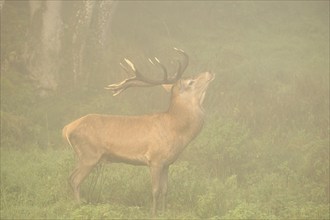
point(263, 151)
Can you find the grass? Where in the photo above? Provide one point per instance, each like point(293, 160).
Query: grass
point(34, 186)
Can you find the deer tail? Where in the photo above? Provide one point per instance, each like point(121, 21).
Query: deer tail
point(66, 135)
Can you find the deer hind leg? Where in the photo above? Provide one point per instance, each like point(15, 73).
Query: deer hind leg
point(79, 174)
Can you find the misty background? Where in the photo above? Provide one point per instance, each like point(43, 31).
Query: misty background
point(264, 149)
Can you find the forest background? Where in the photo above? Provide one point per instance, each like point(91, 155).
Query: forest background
point(264, 149)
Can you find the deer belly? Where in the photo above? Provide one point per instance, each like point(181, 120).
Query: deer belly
point(129, 155)
point(140, 160)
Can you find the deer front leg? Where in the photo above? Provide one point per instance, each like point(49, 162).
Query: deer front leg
point(156, 173)
point(164, 181)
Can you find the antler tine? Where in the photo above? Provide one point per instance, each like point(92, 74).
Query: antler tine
point(165, 77)
point(124, 68)
point(120, 87)
point(133, 68)
point(182, 66)
point(139, 80)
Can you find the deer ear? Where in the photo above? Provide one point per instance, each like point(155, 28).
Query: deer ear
point(167, 87)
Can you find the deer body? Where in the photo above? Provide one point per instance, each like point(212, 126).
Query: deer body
point(154, 140)
point(140, 139)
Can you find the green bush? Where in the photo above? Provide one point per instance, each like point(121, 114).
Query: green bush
point(247, 211)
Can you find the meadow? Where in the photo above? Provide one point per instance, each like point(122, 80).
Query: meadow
point(34, 186)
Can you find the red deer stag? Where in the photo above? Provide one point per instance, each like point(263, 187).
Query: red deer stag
point(154, 140)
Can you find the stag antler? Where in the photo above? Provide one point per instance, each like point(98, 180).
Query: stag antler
point(138, 80)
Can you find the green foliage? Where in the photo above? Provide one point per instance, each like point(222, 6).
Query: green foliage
point(218, 198)
point(34, 185)
point(17, 97)
point(225, 145)
point(247, 211)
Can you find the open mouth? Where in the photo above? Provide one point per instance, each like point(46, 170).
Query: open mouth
point(204, 88)
point(202, 97)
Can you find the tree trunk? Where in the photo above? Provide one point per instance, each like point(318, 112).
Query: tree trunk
point(42, 52)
